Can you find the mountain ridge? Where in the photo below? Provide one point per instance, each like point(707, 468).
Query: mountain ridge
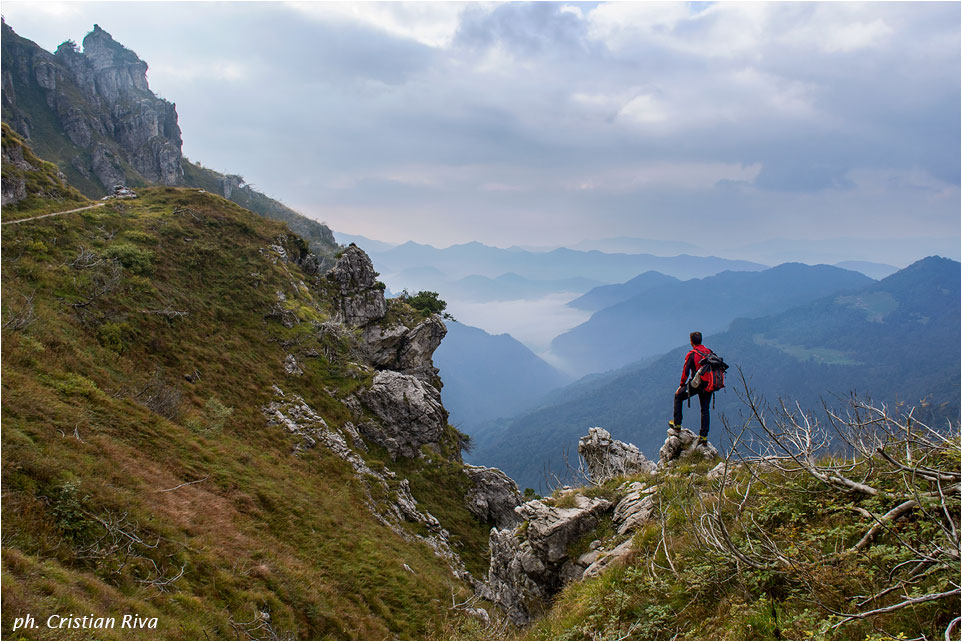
point(92, 113)
point(832, 344)
point(646, 323)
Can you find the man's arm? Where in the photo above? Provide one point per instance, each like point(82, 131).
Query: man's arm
point(689, 366)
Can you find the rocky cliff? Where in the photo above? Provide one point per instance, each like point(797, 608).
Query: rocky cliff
point(90, 110)
point(579, 532)
point(97, 104)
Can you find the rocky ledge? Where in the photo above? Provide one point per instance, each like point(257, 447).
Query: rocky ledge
point(534, 560)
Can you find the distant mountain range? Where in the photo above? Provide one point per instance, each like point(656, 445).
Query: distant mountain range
point(489, 376)
point(605, 296)
point(895, 340)
point(653, 320)
point(459, 261)
point(366, 244)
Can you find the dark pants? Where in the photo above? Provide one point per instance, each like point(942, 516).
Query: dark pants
point(703, 397)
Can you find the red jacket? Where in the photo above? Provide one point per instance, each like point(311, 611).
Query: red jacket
point(693, 361)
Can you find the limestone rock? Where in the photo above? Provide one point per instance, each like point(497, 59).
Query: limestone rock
point(14, 187)
point(410, 413)
point(362, 299)
point(551, 529)
point(106, 166)
point(617, 554)
point(407, 350)
point(510, 582)
point(635, 508)
point(606, 458)
point(529, 563)
point(493, 496)
point(291, 366)
point(683, 443)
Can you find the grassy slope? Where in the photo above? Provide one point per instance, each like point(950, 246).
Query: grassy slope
point(43, 180)
point(319, 236)
point(267, 530)
point(696, 593)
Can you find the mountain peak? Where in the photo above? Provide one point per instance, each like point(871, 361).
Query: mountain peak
point(103, 51)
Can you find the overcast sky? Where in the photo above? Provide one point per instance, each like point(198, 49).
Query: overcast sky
point(550, 123)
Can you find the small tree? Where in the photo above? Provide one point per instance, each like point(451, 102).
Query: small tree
point(426, 303)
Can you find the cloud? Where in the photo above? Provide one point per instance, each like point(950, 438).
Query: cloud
point(535, 123)
point(433, 24)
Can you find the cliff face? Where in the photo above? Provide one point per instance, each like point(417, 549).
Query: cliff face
point(91, 111)
point(97, 99)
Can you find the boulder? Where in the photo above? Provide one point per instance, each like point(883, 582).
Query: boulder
point(683, 443)
point(551, 529)
point(409, 410)
point(635, 508)
point(606, 458)
point(607, 558)
point(530, 563)
point(407, 350)
point(362, 298)
point(493, 496)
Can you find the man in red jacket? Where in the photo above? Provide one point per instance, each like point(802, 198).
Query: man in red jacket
point(686, 390)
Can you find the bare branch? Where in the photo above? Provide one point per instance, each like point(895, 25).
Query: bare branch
point(191, 483)
point(884, 521)
point(896, 607)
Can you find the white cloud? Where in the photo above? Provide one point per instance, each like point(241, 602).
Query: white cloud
point(858, 35)
point(431, 23)
point(644, 109)
point(229, 70)
point(721, 30)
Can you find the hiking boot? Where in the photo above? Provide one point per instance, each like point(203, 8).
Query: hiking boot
point(673, 426)
point(702, 441)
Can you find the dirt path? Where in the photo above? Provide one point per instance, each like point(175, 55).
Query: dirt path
point(34, 218)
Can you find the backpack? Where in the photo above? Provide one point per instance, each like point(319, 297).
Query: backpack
point(711, 372)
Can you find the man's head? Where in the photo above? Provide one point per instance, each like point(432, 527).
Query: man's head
point(695, 338)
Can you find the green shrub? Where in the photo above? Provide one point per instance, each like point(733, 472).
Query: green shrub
point(426, 303)
point(112, 335)
point(140, 237)
point(135, 259)
point(217, 413)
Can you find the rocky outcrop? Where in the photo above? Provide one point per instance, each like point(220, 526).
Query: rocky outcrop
point(118, 121)
point(407, 350)
point(493, 496)
point(606, 458)
point(409, 411)
point(404, 346)
point(399, 509)
point(635, 509)
point(530, 563)
point(361, 297)
point(683, 443)
point(14, 185)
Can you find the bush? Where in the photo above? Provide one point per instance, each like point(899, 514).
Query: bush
point(112, 335)
point(135, 259)
point(426, 303)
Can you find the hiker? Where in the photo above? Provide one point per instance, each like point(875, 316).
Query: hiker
point(688, 388)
